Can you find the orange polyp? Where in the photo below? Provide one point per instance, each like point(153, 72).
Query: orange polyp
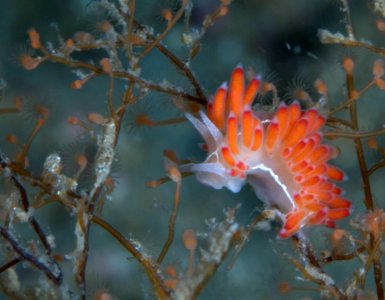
point(318, 170)
point(311, 181)
point(307, 177)
point(247, 127)
point(314, 206)
point(298, 131)
point(308, 198)
point(236, 91)
point(337, 202)
point(304, 152)
point(338, 213)
point(289, 153)
point(232, 130)
point(336, 190)
point(292, 223)
point(320, 195)
point(227, 156)
point(272, 134)
point(311, 115)
point(219, 107)
point(298, 178)
point(320, 154)
point(314, 118)
point(258, 138)
point(327, 186)
point(334, 173)
point(286, 152)
point(34, 38)
point(317, 137)
point(282, 118)
point(317, 217)
point(299, 167)
point(294, 110)
point(251, 91)
point(293, 218)
point(308, 171)
point(317, 123)
point(298, 200)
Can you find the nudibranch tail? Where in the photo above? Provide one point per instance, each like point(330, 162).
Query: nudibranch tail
point(281, 156)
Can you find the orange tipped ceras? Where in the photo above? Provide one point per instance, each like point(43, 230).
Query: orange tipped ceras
point(282, 157)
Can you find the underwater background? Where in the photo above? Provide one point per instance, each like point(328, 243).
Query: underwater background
point(276, 38)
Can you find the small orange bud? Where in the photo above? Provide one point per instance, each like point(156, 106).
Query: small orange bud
point(223, 11)
point(77, 84)
point(321, 87)
point(11, 138)
point(337, 235)
point(348, 65)
point(131, 6)
point(70, 43)
point(84, 37)
point(171, 155)
point(28, 62)
point(189, 239)
point(102, 295)
point(40, 122)
point(174, 174)
point(300, 94)
point(378, 68)
point(81, 160)
point(167, 14)
point(96, 118)
point(109, 183)
point(42, 111)
point(104, 26)
point(355, 95)
point(375, 223)
point(267, 87)
point(58, 257)
point(380, 83)
point(372, 143)
point(34, 38)
point(171, 166)
point(153, 183)
point(73, 120)
point(136, 39)
point(170, 271)
point(143, 119)
point(284, 287)
point(171, 283)
point(18, 102)
point(380, 24)
point(106, 65)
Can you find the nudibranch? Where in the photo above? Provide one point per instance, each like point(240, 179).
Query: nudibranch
point(282, 156)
